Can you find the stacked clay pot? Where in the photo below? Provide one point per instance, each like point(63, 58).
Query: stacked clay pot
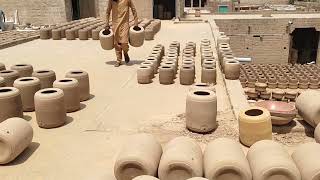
point(136, 35)
point(9, 76)
point(208, 63)
point(24, 70)
point(139, 156)
point(46, 77)
point(15, 136)
point(201, 111)
point(84, 83)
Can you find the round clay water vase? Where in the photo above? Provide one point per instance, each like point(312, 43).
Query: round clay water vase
point(278, 94)
point(201, 111)
point(144, 74)
point(260, 87)
point(145, 177)
point(70, 34)
point(84, 84)
point(140, 155)
point(46, 77)
point(83, 34)
point(225, 159)
point(28, 86)
point(15, 136)
point(136, 35)
point(25, 70)
point(9, 76)
point(166, 75)
point(254, 125)
point(50, 108)
point(209, 75)
point(10, 103)
point(71, 91)
point(187, 75)
point(269, 160)
point(202, 86)
point(2, 82)
point(106, 39)
point(308, 107)
point(181, 159)
point(56, 34)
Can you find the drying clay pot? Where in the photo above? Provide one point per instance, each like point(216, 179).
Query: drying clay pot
point(154, 61)
point(84, 84)
point(308, 107)
point(317, 134)
point(83, 34)
point(50, 108)
point(71, 91)
point(181, 160)
point(251, 93)
point(106, 39)
point(25, 70)
point(95, 33)
point(46, 77)
point(303, 83)
point(154, 70)
point(201, 111)
point(293, 83)
point(202, 86)
point(10, 103)
point(266, 95)
point(56, 34)
point(144, 74)
point(70, 34)
point(2, 82)
point(291, 95)
point(9, 76)
point(2, 67)
point(145, 177)
point(136, 34)
point(28, 86)
point(139, 156)
point(260, 87)
point(15, 136)
point(254, 125)
point(269, 160)
point(166, 75)
point(197, 178)
point(45, 34)
point(209, 75)
point(314, 83)
point(187, 75)
point(278, 94)
point(224, 159)
point(232, 69)
point(283, 83)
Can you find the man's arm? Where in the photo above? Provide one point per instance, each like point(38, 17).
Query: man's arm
point(134, 12)
point(108, 12)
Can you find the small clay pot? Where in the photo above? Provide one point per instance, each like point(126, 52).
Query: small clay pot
point(45, 33)
point(251, 81)
point(46, 77)
point(83, 34)
point(28, 86)
point(154, 71)
point(266, 95)
point(293, 83)
point(187, 75)
point(10, 103)
point(291, 95)
point(209, 75)
point(140, 155)
point(282, 83)
point(15, 136)
point(56, 34)
point(136, 35)
point(84, 84)
point(232, 69)
point(278, 94)
point(166, 75)
point(9, 76)
point(144, 74)
point(308, 107)
point(251, 93)
point(202, 86)
point(172, 64)
point(106, 39)
point(145, 177)
point(155, 63)
point(260, 87)
point(181, 159)
point(25, 70)
point(70, 34)
point(303, 83)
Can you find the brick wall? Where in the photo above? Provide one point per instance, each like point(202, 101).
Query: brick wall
point(243, 2)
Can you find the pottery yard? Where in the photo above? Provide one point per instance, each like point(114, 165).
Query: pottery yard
point(214, 90)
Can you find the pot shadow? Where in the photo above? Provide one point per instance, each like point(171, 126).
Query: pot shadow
point(308, 129)
point(82, 106)
point(131, 63)
point(25, 155)
point(284, 129)
point(90, 97)
point(27, 117)
point(69, 120)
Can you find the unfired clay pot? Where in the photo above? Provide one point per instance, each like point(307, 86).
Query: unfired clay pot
point(181, 159)
point(28, 86)
point(232, 69)
point(46, 77)
point(140, 155)
point(154, 70)
point(202, 86)
point(95, 33)
point(136, 34)
point(145, 177)
point(25, 70)
point(187, 75)
point(70, 34)
point(2, 82)
point(10, 103)
point(224, 159)
point(252, 93)
point(70, 87)
point(9, 76)
point(278, 94)
point(201, 111)
point(2, 67)
point(308, 107)
point(209, 75)
point(83, 34)
point(260, 87)
point(166, 75)
point(15, 136)
point(45, 33)
point(254, 125)
point(56, 34)
point(144, 74)
point(269, 160)
point(50, 108)
point(84, 84)
point(106, 39)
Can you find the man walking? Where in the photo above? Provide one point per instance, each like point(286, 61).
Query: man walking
point(120, 26)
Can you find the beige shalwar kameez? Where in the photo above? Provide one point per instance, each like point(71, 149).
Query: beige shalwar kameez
point(120, 24)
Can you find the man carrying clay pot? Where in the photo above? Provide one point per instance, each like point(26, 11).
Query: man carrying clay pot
point(120, 26)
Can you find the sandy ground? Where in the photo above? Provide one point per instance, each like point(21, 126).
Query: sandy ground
point(86, 147)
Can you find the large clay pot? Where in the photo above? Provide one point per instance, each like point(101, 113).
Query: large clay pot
point(15, 136)
point(106, 39)
point(269, 160)
point(145, 177)
point(187, 75)
point(140, 155)
point(2, 82)
point(70, 87)
point(209, 75)
point(9, 76)
point(28, 86)
point(232, 69)
point(10, 103)
point(25, 70)
point(84, 84)
point(309, 107)
point(144, 74)
point(50, 108)
point(181, 159)
point(46, 77)
point(224, 159)
point(202, 86)
point(254, 125)
point(166, 75)
point(201, 111)
point(136, 34)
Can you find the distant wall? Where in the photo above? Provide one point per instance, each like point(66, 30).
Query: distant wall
point(264, 1)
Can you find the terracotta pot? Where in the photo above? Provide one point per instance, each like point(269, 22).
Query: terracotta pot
point(70, 87)
point(251, 93)
point(15, 136)
point(25, 70)
point(282, 83)
point(10, 103)
point(254, 125)
point(139, 156)
point(46, 77)
point(209, 75)
point(260, 87)
point(201, 111)
point(45, 33)
point(224, 159)
point(304, 157)
point(28, 86)
point(291, 95)
point(202, 86)
point(136, 34)
point(278, 94)
point(181, 159)
point(70, 34)
point(144, 74)
point(270, 160)
point(84, 84)
point(187, 75)
point(266, 95)
point(308, 107)
point(145, 177)
point(56, 34)
point(9, 76)
point(106, 39)
point(50, 108)
point(225, 60)
point(232, 69)
point(166, 75)
point(83, 34)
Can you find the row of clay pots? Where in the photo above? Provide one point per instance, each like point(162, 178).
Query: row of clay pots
point(208, 63)
point(276, 94)
point(229, 65)
point(187, 70)
point(169, 66)
point(152, 29)
point(11, 38)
